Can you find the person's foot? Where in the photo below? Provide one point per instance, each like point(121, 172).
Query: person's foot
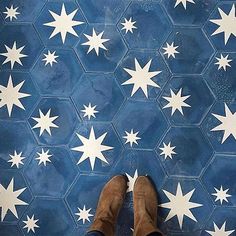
point(145, 207)
point(109, 205)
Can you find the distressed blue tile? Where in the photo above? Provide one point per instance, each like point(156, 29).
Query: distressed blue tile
point(6, 230)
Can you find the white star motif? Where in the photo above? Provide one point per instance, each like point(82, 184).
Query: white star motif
point(184, 3)
point(89, 111)
point(84, 214)
point(95, 42)
point(167, 150)
point(16, 159)
point(176, 101)
point(45, 122)
point(223, 62)
point(43, 157)
point(131, 137)
point(227, 124)
point(13, 55)
point(128, 25)
point(92, 153)
point(9, 199)
point(220, 231)
point(10, 95)
point(180, 205)
point(63, 23)
point(50, 58)
point(11, 13)
point(221, 195)
point(30, 224)
point(227, 24)
point(170, 50)
point(141, 77)
point(131, 181)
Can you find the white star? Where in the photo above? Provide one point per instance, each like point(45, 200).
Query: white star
point(128, 25)
point(184, 3)
point(131, 181)
point(223, 62)
point(89, 111)
point(16, 159)
point(9, 199)
point(131, 137)
point(84, 214)
point(221, 195)
point(45, 122)
point(95, 42)
point(180, 205)
point(170, 50)
point(30, 224)
point(10, 95)
point(92, 148)
point(228, 124)
point(220, 231)
point(11, 13)
point(227, 24)
point(63, 23)
point(141, 77)
point(13, 55)
point(176, 101)
point(50, 58)
point(43, 157)
point(167, 150)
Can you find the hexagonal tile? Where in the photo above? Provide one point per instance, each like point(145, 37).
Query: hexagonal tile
point(191, 151)
point(100, 48)
point(26, 8)
point(145, 14)
point(60, 23)
point(53, 121)
point(135, 163)
point(102, 11)
point(15, 140)
point(217, 27)
point(221, 77)
point(49, 212)
point(218, 183)
point(192, 217)
point(219, 128)
point(21, 40)
point(78, 196)
point(130, 120)
point(194, 51)
point(222, 221)
point(193, 13)
point(107, 146)
point(19, 106)
point(98, 97)
point(57, 71)
point(13, 187)
point(142, 74)
point(50, 171)
point(186, 100)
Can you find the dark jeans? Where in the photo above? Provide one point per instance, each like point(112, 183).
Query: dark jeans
point(97, 233)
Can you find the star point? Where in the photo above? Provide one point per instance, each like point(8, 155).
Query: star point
point(43, 157)
point(170, 50)
point(128, 25)
point(92, 153)
point(131, 137)
point(89, 111)
point(63, 23)
point(167, 150)
point(184, 3)
point(220, 231)
point(45, 122)
point(95, 42)
point(30, 224)
point(221, 195)
point(50, 58)
point(141, 78)
point(131, 181)
point(223, 62)
point(13, 55)
point(84, 214)
point(227, 124)
point(16, 159)
point(11, 13)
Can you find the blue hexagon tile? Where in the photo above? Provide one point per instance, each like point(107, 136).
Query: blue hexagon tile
point(91, 89)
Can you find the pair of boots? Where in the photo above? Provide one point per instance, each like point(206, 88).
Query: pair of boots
point(111, 201)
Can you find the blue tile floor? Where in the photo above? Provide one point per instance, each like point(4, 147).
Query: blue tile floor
point(94, 88)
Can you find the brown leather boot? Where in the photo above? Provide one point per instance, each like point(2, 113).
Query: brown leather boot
point(109, 205)
point(145, 207)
